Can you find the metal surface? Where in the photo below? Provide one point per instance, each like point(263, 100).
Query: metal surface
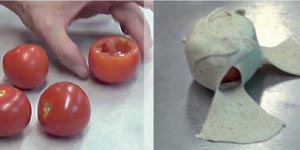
point(117, 118)
point(181, 105)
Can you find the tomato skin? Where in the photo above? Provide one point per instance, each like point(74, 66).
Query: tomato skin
point(114, 59)
point(26, 66)
point(232, 75)
point(63, 109)
point(15, 111)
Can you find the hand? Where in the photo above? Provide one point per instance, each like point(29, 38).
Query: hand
point(50, 20)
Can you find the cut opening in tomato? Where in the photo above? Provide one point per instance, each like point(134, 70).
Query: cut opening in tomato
point(118, 47)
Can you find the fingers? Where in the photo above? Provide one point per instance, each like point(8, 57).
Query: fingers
point(132, 22)
point(65, 49)
point(146, 4)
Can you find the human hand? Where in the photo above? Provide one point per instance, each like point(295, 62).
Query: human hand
point(50, 20)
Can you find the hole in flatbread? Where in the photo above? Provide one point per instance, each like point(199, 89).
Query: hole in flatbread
point(231, 79)
point(232, 75)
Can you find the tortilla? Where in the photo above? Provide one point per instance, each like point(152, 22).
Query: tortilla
point(235, 117)
point(218, 42)
point(277, 56)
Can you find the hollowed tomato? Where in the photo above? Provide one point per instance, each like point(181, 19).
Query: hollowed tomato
point(114, 59)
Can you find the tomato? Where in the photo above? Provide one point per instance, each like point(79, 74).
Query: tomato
point(63, 109)
point(26, 66)
point(15, 111)
point(232, 75)
point(114, 59)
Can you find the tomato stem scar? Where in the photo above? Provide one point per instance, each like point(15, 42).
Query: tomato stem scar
point(47, 109)
point(2, 92)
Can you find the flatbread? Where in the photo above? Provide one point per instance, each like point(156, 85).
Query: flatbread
point(235, 117)
point(218, 42)
point(278, 55)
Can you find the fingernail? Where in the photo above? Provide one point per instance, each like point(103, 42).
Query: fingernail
point(81, 71)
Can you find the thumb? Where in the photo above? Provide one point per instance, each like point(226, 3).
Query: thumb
point(65, 49)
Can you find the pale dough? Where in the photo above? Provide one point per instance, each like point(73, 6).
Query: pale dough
point(235, 117)
point(277, 56)
point(216, 43)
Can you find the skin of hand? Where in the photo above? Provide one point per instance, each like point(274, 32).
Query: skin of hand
point(50, 20)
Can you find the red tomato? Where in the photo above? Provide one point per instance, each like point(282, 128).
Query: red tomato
point(15, 111)
point(232, 75)
point(114, 59)
point(26, 66)
point(63, 109)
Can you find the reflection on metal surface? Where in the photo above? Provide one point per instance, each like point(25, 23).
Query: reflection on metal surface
point(276, 99)
point(271, 99)
point(269, 22)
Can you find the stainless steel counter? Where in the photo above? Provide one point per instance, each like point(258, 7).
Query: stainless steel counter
point(118, 113)
point(181, 105)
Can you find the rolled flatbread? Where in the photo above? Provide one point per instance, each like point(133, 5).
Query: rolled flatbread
point(219, 41)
